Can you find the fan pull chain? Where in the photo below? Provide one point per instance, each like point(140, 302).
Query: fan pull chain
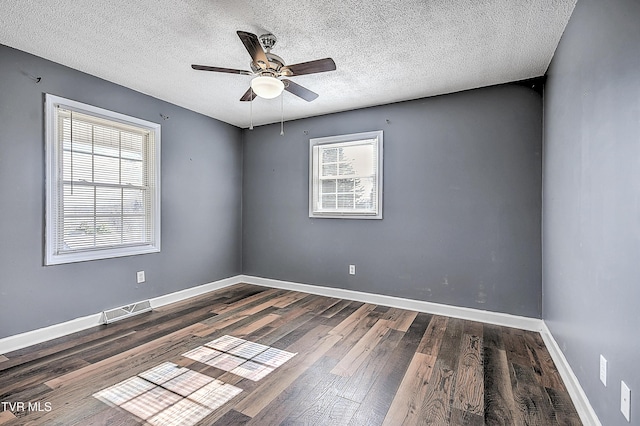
point(251, 110)
point(282, 114)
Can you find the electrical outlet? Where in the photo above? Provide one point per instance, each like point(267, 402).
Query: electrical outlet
point(603, 370)
point(140, 276)
point(625, 400)
point(352, 269)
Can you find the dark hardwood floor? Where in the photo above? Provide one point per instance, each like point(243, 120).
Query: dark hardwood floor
point(306, 360)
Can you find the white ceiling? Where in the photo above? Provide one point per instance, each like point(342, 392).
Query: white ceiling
point(385, 51)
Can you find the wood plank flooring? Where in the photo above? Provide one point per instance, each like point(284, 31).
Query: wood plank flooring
point(324, 361)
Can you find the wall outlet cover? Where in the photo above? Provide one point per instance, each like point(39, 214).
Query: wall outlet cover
point(625, 400)
point(352, 269)
point(140, 276)
point(603, 370)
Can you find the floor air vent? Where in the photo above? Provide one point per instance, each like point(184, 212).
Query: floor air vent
point(123, 312)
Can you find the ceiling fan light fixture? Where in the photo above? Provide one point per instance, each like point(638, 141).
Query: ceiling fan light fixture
point(267, 87)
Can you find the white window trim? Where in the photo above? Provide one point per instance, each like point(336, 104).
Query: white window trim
point(53, 177)
point(314, 172)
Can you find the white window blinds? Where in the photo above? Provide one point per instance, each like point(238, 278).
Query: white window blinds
point(103, 185)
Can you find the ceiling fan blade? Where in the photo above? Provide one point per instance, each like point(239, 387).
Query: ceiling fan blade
point(218, 69)
point(312, 67)
point(248, 96)
point(254, 48)
point(300, 91)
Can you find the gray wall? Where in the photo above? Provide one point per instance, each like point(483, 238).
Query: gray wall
point(201, 201)
point(462, 203)
point(591, 201)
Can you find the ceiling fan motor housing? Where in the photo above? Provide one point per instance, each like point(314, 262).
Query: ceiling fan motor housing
point(268, 41)
point(275, 67)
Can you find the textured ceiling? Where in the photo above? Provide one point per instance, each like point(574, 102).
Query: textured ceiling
point(385, 51)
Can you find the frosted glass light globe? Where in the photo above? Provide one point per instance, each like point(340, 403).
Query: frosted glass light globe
point(267, 87)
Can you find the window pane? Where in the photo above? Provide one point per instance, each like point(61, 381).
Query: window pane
point(132, 146)
point(345, 169)
point(329, 155)
point(346, 201)
point(328, 186)
point(108, 201)
point(133, 201)
point(328, 202)
point(132, 173)
point(77, 166)
point(81, 132)
point(365, 195)
point(134, 229)
point(106, 140)
point(78, 200)
point(107, 169)
point(329, 170)
point(78, 233)
point(108, 231)
point(360, 159)
point(346, 185)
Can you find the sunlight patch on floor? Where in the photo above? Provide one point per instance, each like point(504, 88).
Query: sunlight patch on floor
point(168, 394)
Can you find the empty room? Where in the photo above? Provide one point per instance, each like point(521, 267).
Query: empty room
point(338, 213)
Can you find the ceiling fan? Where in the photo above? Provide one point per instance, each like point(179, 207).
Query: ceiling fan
point(270, 71)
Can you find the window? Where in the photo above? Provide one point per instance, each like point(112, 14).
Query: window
point(102, 183)
point(346, 176)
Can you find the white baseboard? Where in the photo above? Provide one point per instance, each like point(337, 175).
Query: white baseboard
point(22, 340)
point(194, 291)
point(579, 398)
point(19, 341)
point(497, 318)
